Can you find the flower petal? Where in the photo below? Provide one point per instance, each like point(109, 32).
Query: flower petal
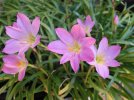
point(86, 55)
point(24, 49)
point(94, 49)
point(64, 35)
point(12, 46)
point(75, 63)
point(15, 33)
point(9, 69)
point(102, 70)
point(57, 47)
point(15, 25)
point(113, 63)
point(24, 23)
point(66, 57)
point(87, 41)
point(11, 59)
point(21, 74)
point(77, 32)
point(79, 21)
point(103, 46)
point(36, 25)
point(113, 51)
point(89, 22)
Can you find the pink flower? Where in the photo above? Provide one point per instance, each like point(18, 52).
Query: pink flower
point(14, 64)
point(23, 34)
point(74, 46)
point(116, 20)
point(87, 25)
point(105, 57)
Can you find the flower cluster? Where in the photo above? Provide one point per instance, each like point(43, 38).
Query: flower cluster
point(23, 36)
point(75, 46)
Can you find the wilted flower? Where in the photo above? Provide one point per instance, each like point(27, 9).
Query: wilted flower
point(105, 57)
point(87, 25)
point(116, 20)
point(23, 34)
point(74, 46)
point(14, 64)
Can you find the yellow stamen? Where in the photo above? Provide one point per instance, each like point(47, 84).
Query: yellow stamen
point(30, 39)
point(100, 59)
point(86, 29)
point(75, 47)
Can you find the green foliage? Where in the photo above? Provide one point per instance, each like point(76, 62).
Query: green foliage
point(45, 74)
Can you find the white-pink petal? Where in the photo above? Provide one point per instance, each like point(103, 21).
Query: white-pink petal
point(21, 74)
point(23, 49)
point(36, 25)
point(15, 25)
point(57, 47)
point(12, 46)
point(8, 69)
point(79, 21)
point(15, 33)
point(87, 41)
point(113, 63)
point(113, 51)
point(75, 63)
point(77, 32)
point(102, 70)
point(10, 59)
point(64, 35)
point(103, 46)
point(86, 55)
point(66, 57)
point(94, 50)
point(24, 23)
point(88, 20)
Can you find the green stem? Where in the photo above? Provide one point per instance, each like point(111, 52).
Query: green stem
point(88, 73)
point(38, 68)
point(66, 69)
point(38, 55)
point(43, 46)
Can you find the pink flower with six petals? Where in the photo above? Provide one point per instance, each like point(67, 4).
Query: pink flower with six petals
point(14, 64)
point(105, 57)
point(23, 34)
point(74, 46)
point(87, 25)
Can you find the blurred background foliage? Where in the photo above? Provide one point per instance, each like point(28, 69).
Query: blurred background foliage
point(45, 78)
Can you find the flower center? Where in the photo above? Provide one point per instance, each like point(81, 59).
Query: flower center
point(30, 39)
point(75, 47)
point(87, 29)
point(21, 64)
point(100, 59)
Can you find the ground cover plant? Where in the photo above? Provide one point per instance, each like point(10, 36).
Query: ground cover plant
point(97, 64)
